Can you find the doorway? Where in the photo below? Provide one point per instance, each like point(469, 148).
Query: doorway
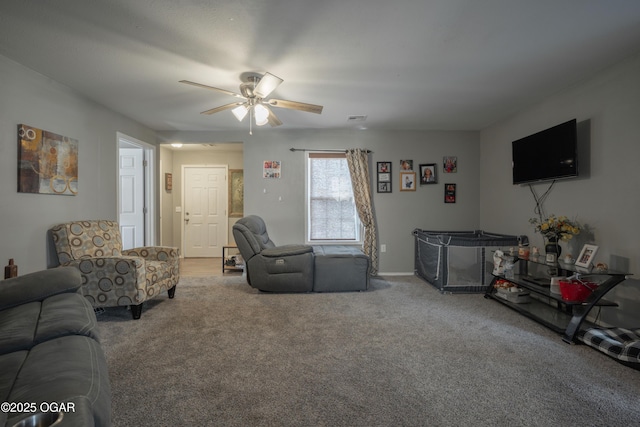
point(136, 201)
point(205, 217)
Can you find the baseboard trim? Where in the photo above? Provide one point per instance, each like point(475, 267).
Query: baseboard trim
point(395, 274)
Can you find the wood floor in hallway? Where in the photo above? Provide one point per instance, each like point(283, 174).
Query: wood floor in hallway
point(203, 267)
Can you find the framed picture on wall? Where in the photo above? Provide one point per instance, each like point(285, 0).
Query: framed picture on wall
point(47, 162)
point(384, 187)
point(384, 177)
point(450, 193)
point(236, 193)
point(450, 164)
point(407, 181)
point(271, 169)
point(428, 174)
point(406, 165)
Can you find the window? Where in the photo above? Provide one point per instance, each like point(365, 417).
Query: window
point(331, 210)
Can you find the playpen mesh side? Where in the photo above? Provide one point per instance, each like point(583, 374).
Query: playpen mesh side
point(429, 261)
point(458, 261)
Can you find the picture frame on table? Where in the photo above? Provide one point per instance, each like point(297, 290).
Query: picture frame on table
point(585, 259)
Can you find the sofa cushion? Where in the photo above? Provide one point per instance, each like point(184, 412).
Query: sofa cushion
point(18, 326)
point(81, 239)
point(67, 369)
point(27, 325)
point(38, 286)
point(68, 314)
point(340, 268)
point(286, 250)
point(10, 364)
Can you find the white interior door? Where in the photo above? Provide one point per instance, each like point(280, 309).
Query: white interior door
point(205, 210)
point(132, 197)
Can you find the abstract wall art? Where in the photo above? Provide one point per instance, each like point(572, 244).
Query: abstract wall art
point(47, 162)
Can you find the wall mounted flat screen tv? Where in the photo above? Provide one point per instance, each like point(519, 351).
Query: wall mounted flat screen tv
point(546, 155)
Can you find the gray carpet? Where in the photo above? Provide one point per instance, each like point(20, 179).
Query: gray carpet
point(401, 354)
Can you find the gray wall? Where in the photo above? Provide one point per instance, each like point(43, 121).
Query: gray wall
point(29, 98)
point(606, 199)
point(166, 198)
point(281, 201)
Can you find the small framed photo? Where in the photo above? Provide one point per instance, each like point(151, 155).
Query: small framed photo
point(586, 256)
point(168, 181)
point(450, 193)
point(406, 165)
point(384, 167)
point(428, 174)
point(384, 187)
point(271, 169)
point(407, 181)
point(450, 164)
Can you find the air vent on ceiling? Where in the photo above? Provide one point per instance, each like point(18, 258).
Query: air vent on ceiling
point(357, 118)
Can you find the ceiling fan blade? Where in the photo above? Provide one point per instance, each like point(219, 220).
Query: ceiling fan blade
point(228, 92)
point(309, 108)
point(273, 119)
point(222, 108)
point(266, 85)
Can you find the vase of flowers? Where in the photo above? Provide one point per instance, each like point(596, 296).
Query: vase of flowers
point(555, 229)
point(552, 247)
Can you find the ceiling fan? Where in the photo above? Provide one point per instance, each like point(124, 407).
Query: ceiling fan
point(253, 93)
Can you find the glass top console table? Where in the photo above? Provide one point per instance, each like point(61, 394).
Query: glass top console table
point(533, 277)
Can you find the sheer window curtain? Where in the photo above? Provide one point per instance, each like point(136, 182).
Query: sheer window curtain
point(358, 161)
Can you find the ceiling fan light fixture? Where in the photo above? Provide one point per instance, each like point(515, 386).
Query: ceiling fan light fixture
point(262, 114)
point(254, 91)
point(267, 84)
point(240, 111)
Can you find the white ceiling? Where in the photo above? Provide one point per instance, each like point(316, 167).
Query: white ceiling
point(406, 64)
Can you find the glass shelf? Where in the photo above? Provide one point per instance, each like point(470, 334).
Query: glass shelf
point(572, 268)
point(548, 308)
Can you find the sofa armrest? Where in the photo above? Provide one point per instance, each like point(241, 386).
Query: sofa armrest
point(286, 250)
point(154, 253)
point(38, 286)
point(129, 271)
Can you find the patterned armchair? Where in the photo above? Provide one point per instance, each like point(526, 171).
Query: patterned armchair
point(112, 276)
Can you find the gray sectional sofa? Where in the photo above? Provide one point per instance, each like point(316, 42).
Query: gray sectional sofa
point(50, 356)
point(296, 267)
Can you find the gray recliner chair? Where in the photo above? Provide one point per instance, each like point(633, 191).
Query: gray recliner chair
point(272, 268)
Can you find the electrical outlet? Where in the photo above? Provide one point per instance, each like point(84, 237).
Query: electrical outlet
point(383, 248)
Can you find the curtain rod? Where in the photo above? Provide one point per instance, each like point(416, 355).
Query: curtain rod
point(325, 150)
